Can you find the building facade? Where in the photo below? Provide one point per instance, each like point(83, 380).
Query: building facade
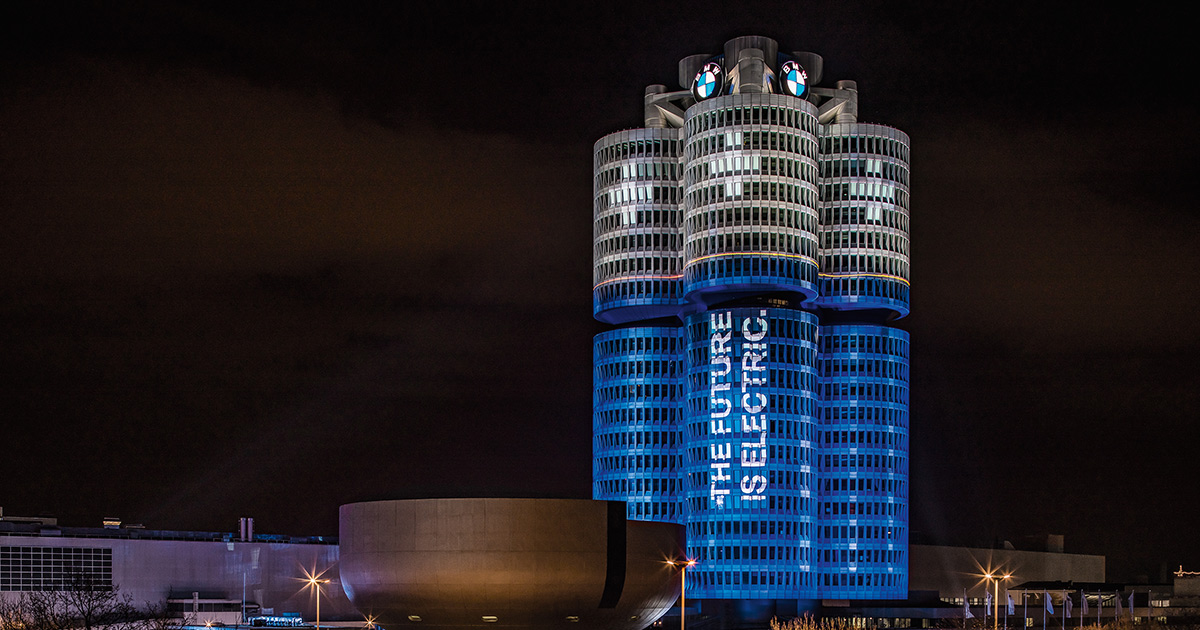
point(750, 252)
point(204, 577)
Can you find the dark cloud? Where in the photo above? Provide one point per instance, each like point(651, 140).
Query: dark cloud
point(263, 260)
point(236, 289)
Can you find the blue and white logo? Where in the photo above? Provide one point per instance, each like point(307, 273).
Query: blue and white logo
point(793, 78)
point(709, 81)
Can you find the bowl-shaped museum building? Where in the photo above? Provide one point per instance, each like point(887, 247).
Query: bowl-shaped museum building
point(531, 563)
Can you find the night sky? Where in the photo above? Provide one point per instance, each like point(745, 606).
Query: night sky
point(265, 259)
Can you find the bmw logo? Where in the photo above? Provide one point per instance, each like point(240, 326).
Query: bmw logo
point(793, 78)
point(709, 81)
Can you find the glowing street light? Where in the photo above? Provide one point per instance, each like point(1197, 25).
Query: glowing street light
point(315, 582)
point(683, 567)
point(996, 597)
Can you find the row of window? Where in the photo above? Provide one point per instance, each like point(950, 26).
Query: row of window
point(636, 391)
point(765, 527)
point(833, 534)
point(894, 344)
point(637, 368)
point(699, 147)
point(864, 263)
point(775, 379)
point(869, 414)
point(865, 462)
point(649, 147)
point(890, 241)
point(863, 191)
point(796, 217)
point(787, 578)
point(860, 556)
point(639, 415)
point(754, 164)
point(636, 439)
point(885, 288)
point(870, 144)
point(633, 217)
point(651, 510)
point(652, 485)
point(887, 439)
point(621, 342)
point(854, 485)
point(761, 243)
point(751, 552)
point(644, 240)
point(665, 291)
point(881, 368)
point(55, 568)
point(637, 264)
point(777, 403)
point(626, 195)
point(641, 170)
point(866, 392)
point(638, 462)
point(793, 117)
point(790, 505)
point(779, 428)
point(886, 215)
point(862, 579)
point(778, 454)
point(855, 508)
point(865, 167)
point(753, 190)
point(732, 270)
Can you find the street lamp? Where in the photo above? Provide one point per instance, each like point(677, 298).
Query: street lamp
point(316, 583)
point(683, 567)
point(996, 597)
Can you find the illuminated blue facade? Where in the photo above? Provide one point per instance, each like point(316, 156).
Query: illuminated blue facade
point(751, 249)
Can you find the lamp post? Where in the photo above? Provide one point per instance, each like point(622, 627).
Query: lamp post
point(316, 583)
point(995, 579)
point(683, 567)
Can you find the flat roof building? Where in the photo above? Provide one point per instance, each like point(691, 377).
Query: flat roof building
point(218, 577)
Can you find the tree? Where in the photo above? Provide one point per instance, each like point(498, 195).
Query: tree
point(81, 604)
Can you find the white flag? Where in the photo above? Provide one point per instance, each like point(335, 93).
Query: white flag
point(987, 601)
point(1117, 596)
point(1083, 600)
point(1067, 604)
point(966, 609)
point(1012, 608)
point(1131, 604)
point(1049, 604)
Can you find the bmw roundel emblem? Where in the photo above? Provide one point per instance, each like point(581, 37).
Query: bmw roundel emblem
point(709, 81)
point(793, 78)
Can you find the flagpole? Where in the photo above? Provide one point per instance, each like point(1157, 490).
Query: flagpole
point(1082, 607)
point(1045, 595)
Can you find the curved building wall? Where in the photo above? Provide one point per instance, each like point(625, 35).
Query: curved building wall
point(506, 563)
point(750, 197)
point(636, 238)
point(749, 463)
point(862, 528)
point(864, 218)
point(637, 378)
